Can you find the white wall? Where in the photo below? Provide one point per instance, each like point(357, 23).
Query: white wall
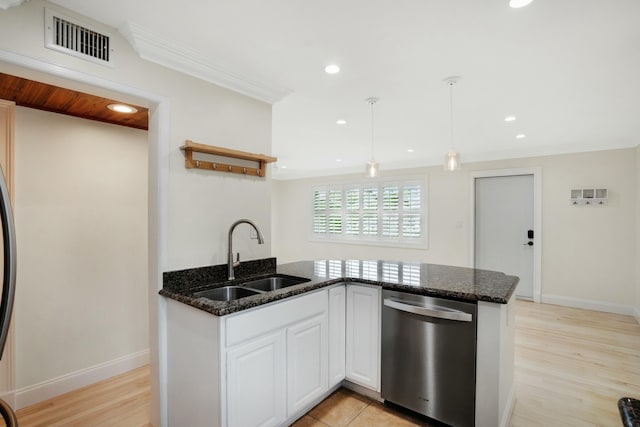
point(81, 227)
point(638, 233)
point(201, 205)
point(447, 244)
point(587, 253)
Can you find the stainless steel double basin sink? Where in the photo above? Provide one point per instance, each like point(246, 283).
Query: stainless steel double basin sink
point(250, 288)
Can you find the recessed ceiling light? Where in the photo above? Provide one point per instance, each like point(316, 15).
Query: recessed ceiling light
point(283, 167)
point(338, 160)
point(519, 3)
point(332, 69)
point(510, 119)
point(410, 150)
point(341, 122)
point(521, 136)
point(121, 108)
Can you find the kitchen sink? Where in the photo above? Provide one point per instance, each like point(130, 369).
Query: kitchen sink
point(227, 293)
point(250, 288)
point(274, 282)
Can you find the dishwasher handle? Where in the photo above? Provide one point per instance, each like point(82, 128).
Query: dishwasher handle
point(430, 311)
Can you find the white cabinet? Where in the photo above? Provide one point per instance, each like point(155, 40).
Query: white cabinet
point(268, 365)
point(307, 365)
point(277, 360)
point(337, 334)
point(255, 382)
point(194, 371)
point(495, 390)
point(363, 336)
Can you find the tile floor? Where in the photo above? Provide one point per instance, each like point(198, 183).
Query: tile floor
point(346, 408)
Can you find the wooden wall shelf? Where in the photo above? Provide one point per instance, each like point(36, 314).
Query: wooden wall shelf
point(190, 147)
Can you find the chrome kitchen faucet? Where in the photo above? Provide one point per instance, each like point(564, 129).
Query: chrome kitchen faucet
point(230, 260)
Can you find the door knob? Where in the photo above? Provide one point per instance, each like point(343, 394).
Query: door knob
point(528, 244)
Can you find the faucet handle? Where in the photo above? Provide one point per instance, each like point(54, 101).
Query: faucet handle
point(237, 262)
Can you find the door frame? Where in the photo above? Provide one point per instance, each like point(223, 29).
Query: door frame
point(158, 163)
point(537, 217)
point(7, 146)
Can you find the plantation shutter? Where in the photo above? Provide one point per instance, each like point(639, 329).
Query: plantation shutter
point(371, 212)
point(335, 211)
point(319, 212)
point(412, 206)
point(352, 205)
point(390, 211)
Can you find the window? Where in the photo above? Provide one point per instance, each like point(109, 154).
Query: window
point(386, 213)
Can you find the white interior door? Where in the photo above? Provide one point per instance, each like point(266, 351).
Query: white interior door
point(503, 221)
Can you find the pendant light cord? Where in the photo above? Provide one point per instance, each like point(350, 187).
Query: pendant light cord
point(372, 154)
point(372, 163)
point(451, 84)
point(452, 158)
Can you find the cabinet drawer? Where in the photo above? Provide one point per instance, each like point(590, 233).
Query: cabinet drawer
point(244, 326)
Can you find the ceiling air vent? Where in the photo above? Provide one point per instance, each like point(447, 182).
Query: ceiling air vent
point(74, 38)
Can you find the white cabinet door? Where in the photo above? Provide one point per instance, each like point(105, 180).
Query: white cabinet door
point(337, 340)
point(363, 335)
point(255, 382)
point(307, 362)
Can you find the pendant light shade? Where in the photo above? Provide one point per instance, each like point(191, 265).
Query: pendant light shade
point(372, 167)
point(452, 161)
point(516, 4)
point(452, 158)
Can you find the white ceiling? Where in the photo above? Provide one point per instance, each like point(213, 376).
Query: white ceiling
point(567, 69)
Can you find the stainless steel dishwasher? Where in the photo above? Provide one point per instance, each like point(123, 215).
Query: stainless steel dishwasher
point(429, 356)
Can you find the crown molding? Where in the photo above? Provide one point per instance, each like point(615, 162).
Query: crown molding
point(161, 50)
point(6, 4)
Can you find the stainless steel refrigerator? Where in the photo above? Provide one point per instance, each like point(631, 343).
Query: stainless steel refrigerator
point(8, 283)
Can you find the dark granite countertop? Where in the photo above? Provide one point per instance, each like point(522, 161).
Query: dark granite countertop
point(459, 283)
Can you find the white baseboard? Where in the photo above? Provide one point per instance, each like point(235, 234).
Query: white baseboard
point(74, 380)
point(608, 307)
point(636, 314)
point(299, 414)
point(10, 398)
point(508, 409)
point(364, 391)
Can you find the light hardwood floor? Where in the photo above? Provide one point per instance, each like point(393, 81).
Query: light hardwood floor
point(123, 400)
point(572, 366)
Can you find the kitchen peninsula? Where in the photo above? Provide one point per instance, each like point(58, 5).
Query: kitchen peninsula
point(266, 359)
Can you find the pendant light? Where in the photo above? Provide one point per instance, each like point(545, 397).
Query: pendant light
point(517, 4)
point(452, 158)
point(372, 166)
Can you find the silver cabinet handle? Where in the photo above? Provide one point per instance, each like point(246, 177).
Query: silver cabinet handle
point(433, 311)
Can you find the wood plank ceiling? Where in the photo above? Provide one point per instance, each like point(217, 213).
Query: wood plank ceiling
point(41, 96)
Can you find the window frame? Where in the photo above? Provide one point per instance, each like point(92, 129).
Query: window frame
point(379, 239)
